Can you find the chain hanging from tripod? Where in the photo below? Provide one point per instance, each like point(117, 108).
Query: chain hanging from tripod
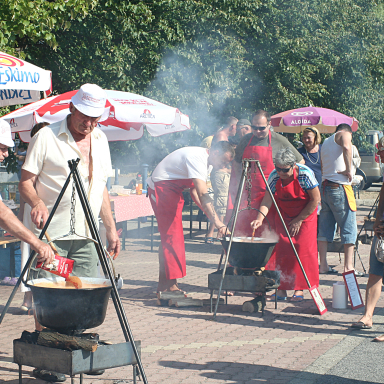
point(248, 182)
point(72, 222)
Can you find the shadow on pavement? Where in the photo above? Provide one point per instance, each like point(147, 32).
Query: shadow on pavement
point(253, 373)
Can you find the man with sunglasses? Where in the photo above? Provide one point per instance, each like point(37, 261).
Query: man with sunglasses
point(262, 144)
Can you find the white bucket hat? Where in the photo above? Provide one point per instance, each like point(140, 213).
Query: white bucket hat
point(5, 134)
point(90, 99)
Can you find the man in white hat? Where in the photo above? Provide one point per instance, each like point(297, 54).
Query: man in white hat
point(8, 220)
point(45, 171)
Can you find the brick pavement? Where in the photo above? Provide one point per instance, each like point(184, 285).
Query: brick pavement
point(184, 345)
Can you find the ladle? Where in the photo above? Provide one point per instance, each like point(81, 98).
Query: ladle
point(74, 280)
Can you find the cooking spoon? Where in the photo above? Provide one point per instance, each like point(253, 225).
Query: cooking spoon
point(253, 235)
point(74, 280)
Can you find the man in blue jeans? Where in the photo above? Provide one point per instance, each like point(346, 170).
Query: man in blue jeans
point(338, 205)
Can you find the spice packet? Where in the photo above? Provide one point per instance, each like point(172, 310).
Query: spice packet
point(61, 266)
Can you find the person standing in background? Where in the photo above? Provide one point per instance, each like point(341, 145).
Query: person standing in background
point(262, 144)
point(311, 151)
point(243, 127)
point(229, 129)
point(338, 205)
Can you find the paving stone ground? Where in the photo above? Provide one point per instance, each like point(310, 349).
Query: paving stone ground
point(290, 344)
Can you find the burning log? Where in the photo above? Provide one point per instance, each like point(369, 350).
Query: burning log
point(61, 341)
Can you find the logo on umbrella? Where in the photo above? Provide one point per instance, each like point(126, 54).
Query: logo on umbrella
point(147, 114)
point(12, 123)
point(10, 61)
point(304, 113)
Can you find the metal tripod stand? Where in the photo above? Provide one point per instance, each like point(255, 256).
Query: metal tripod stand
point(246, 169)
point(74, 173)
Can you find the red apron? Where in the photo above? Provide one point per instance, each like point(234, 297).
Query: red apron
point(167, 203)
point(244, 219)
point(291, 200)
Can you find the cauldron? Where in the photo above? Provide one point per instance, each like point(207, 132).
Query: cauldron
point(247, 254)
point(70, 310)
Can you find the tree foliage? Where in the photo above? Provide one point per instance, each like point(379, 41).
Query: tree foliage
point(211, 58)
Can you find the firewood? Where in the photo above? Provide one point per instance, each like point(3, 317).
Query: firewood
point(170, 295)
point(254, 305)
point(187, 302)
point(162, 303)
point(61, 341)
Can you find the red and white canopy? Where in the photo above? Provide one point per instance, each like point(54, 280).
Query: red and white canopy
point(21, 82)
point(125, 117)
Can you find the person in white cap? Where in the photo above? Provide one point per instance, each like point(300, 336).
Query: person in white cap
point(8, 220)
point(46, 169)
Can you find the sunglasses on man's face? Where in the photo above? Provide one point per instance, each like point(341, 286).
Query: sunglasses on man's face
point(284, 170)
point(256, 128)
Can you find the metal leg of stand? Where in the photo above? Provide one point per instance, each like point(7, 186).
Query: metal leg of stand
point(81, 378)
point(104, 263)
point(134, 374)
point(20, 374)
point(124, 234)
point(211, 301)
point(190, 218)
point(275, 298)
point(361, 261)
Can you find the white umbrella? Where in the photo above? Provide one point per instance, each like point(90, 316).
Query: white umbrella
point(21, 82)
point(125, 117)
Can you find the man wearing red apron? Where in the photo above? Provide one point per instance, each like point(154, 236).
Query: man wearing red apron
point(184, 168)
point(297, 201)
point(262, 144)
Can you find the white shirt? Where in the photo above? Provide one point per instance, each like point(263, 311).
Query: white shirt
point(184, 163)
point(332, 161)
point(47, 157)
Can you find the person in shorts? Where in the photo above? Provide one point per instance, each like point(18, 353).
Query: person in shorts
point(338, 205)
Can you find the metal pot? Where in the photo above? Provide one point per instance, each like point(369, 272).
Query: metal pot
point(70, 310)
point(246, 253)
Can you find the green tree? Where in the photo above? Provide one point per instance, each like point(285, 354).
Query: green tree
point(212, 58)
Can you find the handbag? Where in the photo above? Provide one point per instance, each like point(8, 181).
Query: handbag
point(379, 250)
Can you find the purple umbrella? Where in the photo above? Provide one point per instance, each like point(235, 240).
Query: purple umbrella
point(325, 120)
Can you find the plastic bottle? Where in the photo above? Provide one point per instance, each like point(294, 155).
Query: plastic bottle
point(139, 185)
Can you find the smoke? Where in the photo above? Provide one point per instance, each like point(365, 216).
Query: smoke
point(269, 235)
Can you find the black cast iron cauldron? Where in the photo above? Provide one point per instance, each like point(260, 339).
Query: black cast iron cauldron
point(247, 254)
point(70, 310)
